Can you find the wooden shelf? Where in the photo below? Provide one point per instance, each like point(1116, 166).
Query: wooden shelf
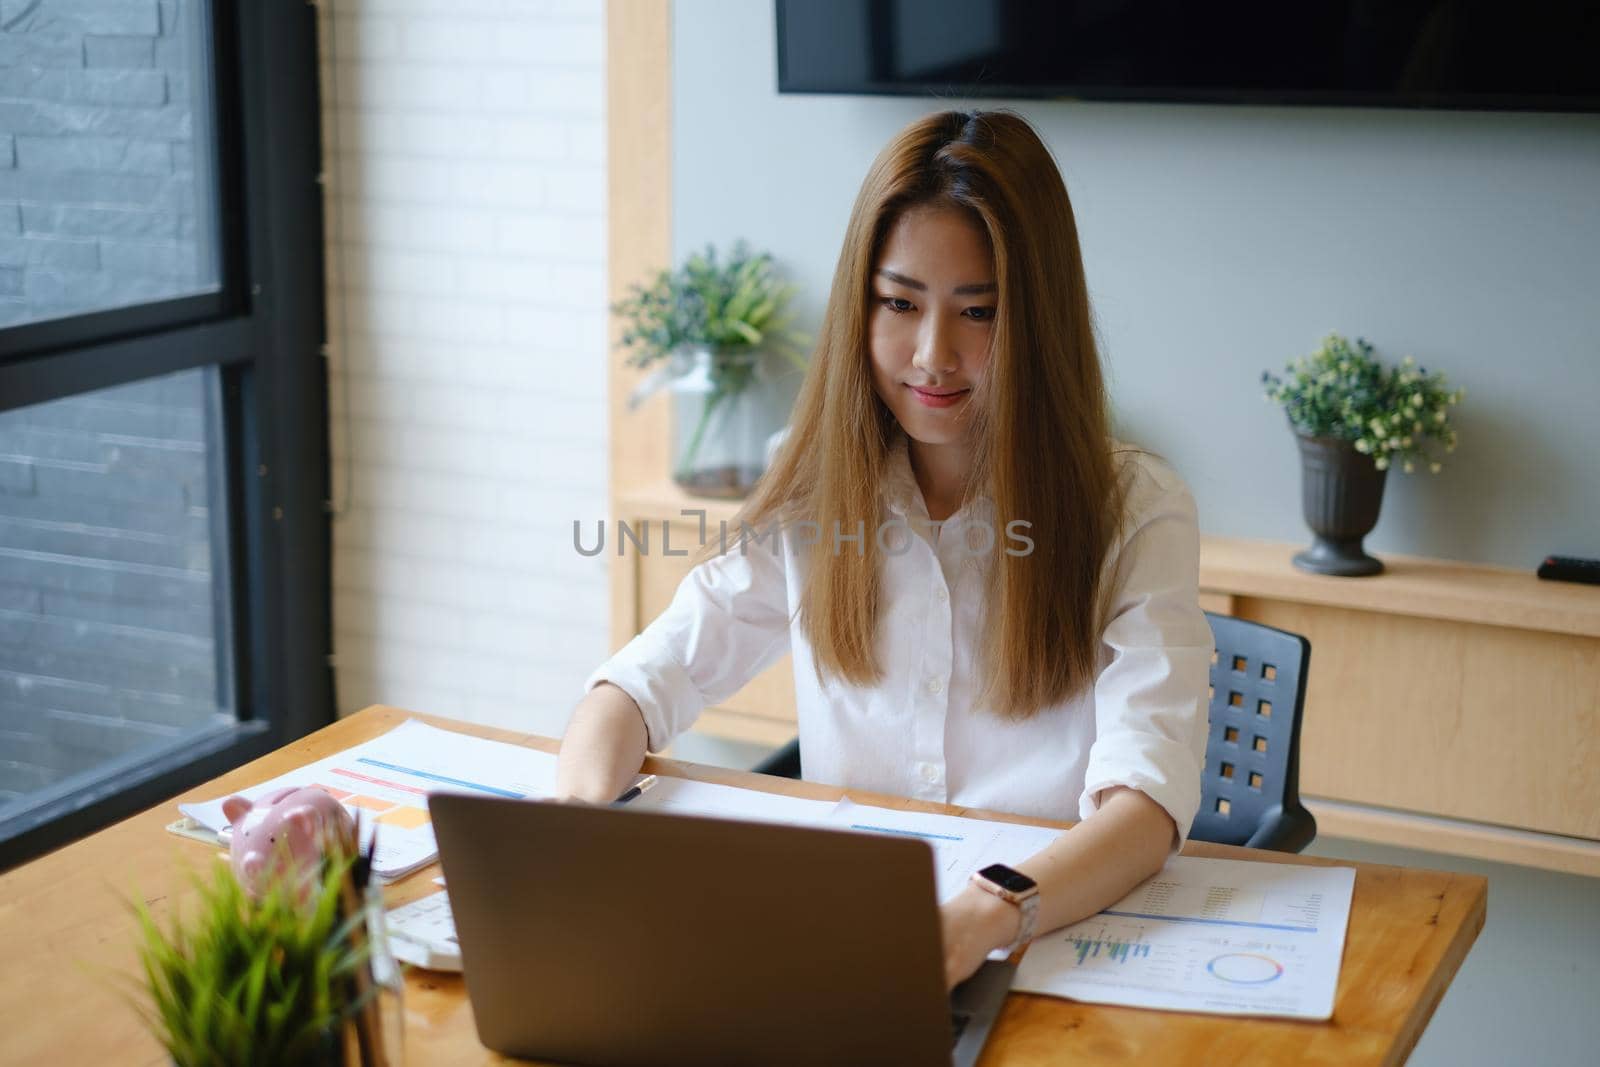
point(751, 729)
point(1424, 588)
point(1500, 844)
point(665, 500)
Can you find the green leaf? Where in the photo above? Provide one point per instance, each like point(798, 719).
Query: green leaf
point(705, 301)
point(247, 981)
point(1342, 390)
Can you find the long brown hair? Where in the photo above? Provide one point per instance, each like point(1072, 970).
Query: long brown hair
point(1040, 431)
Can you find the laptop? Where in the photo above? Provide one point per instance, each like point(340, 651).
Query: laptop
point(612, 936)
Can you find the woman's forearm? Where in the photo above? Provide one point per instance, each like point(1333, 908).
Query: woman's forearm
point(1097, 862)
point(603, 746)
point(1087, 869)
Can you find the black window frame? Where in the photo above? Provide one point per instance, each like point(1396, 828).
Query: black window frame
point(264, 329)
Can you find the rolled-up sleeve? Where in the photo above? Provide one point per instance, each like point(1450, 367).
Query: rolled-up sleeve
point(727, 622)
point(1150, 698)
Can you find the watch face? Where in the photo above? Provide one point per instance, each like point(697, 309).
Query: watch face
point(1006, 878)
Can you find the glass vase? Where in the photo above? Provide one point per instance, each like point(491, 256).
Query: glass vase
point(376, 1037)
point(722, 414)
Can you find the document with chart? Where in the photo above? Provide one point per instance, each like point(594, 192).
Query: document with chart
point(681, 796)
point(386, 781)
point(1230, 937)
point(960, 845)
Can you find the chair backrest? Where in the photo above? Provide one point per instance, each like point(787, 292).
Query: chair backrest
point(1250, 790)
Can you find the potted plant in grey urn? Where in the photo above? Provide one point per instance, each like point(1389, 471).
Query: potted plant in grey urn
point(1354, 419)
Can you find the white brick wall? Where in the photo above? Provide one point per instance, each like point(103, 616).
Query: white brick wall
point(464, 146)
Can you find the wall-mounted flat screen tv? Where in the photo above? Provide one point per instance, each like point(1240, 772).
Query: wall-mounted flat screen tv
point(1536, 55)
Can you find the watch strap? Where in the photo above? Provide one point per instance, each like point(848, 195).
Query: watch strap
point(1026, 902)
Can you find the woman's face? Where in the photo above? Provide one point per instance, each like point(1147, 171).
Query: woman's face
point(932, 308)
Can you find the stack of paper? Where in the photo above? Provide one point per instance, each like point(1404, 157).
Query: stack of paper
point(385, 782)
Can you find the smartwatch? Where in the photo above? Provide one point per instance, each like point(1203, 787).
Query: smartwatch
point(1013, 887)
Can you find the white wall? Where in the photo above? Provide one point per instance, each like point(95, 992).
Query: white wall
point(464, 149)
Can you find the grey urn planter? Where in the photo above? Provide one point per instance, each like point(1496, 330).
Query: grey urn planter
point(1340, 493)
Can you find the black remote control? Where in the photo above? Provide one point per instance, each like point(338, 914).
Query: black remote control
point(1570, 569)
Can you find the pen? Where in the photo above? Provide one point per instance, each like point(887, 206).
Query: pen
point(636, 789)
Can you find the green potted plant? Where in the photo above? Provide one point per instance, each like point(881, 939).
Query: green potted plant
point(1354, 419)
point(284, 977)
point(708, 327)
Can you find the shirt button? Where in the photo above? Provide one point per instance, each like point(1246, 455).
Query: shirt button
point(941, 595)
point(929, 772)
point(935, 686)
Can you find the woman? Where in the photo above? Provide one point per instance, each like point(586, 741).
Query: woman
point(1054, 666)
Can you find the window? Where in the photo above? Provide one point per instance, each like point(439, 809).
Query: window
point(163, 457)
point(109, 136)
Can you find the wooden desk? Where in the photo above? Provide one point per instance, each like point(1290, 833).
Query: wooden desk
point(1409, 931)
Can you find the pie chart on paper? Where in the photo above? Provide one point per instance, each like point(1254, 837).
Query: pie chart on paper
point(1245, 968)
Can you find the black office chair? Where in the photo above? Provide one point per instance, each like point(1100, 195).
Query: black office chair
point(784, 763)
point(1250, 788)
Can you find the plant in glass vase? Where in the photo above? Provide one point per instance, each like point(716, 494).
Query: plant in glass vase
point(1354, 418)
point(707, 327)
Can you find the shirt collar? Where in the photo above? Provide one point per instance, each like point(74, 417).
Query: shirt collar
point(903, 495)
point(900, 489)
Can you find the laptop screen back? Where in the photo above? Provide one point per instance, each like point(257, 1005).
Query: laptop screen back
point(602, 935)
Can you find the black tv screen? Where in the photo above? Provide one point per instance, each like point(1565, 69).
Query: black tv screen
point(1541, 55)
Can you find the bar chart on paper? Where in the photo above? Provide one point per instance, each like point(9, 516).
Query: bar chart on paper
point(386, 782)
point(1222, 936)
point(1114, 950)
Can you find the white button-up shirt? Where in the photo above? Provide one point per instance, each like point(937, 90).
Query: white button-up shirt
point(918, 734)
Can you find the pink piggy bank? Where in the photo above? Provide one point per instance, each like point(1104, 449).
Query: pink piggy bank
point(284, 832)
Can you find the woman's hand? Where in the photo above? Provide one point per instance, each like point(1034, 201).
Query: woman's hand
point(974, 924)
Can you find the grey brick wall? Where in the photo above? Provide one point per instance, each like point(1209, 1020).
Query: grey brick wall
point(98, 204)
point(107, 637)
point(107, 630)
